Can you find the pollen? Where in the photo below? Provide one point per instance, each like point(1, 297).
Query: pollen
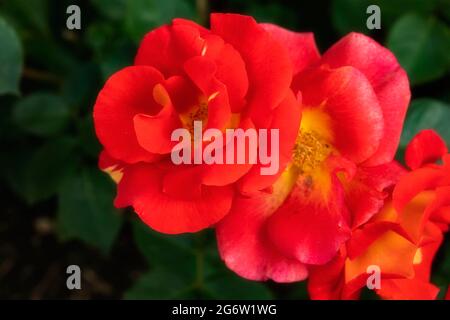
point(310, 151)
point(197, 113)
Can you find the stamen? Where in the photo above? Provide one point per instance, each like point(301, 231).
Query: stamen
point(310, 151)
point(198, 113)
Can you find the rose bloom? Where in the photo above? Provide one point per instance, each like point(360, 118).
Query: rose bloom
point(402, 239)
point(353, 103)
point(235, 75)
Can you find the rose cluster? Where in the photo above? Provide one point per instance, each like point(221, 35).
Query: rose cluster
point(339, 202)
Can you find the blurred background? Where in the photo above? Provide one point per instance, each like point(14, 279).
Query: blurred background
point(56, 206)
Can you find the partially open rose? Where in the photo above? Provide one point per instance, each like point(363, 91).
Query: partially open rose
point(235, 75)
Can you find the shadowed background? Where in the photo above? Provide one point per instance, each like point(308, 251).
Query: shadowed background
point(56, 206)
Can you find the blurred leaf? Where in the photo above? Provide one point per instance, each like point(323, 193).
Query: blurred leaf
point(426, 114)
point(350, 15)
point(46, 54)
point(173, 252)
point(99, 37)
point(296, 291)
point(29, 15)
point(273, 12)
point(194, 265)
point(10, 59)
point(42, 172)
point(86, 209)
point(31, 21)
point(43, 114)
point(230, 286)
point(144, 15)
point(86, 132)
point(111, 9)
point(116, 60)
point(422, 46)
point(221, 283)
point(160, 284)
point(81, 85)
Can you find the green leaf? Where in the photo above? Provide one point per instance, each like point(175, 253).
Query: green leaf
point(144, 15)
point(426, 114)
point(86, 132)
point(297, 291)
point(11, 59)
point(173, 252)
point(422, 46)
point(82, 85)
point(43, 114)
point(28, 15)
point(86, 209)
point(112, 9)
point(274, 13)
point(193, 267)
point(160, 284)
point(47, 169)
point(351, 15)
point(116, 60)
point(43, 171)
point(230, 286)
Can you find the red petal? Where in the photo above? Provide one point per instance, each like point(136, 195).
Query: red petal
point(183, 93)
point(362, 238)
point(411, 184)
point(202, 72)
point(433, 236)
point(223, 174)
point(269, 68)
point(426, 147)
point(142, 188)
point(183, 182)
point(231, 69)
point(310, 225)
point(388, 79)
point(125, 94)
point(301, 46)
point(245, 247)
point(105, 161)
point(407, 289)
point(391, 252)
point(353, 113)
point(440, 208)
point(154, 132)
point(285, 118)
point(365, 193)
point(327, 282)
point(167, 48)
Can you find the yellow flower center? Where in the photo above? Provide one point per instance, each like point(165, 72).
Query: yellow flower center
point(310, 151)
point(197, 113)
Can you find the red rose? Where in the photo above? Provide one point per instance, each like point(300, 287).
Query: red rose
point(234, 75)
point(354, 99)
point(402, 239)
